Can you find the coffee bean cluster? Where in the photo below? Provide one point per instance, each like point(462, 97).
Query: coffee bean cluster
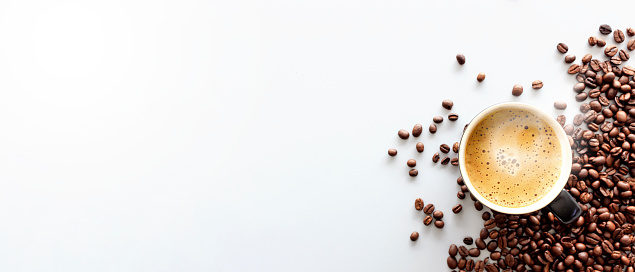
point(602, 137)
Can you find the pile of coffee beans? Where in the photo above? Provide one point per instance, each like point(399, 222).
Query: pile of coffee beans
point(602, 137)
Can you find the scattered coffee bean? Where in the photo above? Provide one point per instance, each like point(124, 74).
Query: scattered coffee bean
point(437, 215)
point(563, 48)
point(579, 87)
point(403, 134)
point(447, 104)
point(445, 161)
point(561, 120)
point(414, 236)
point(468, 240)
point(618, 35)
point(601, 42)
point(630, 31)
point(631, 45)
point(610, 50)
point(439, 224)
point(416, 130)
point(392, 152)
point(419, 147)
point(444, 148)
point(593, 40)
point(605, 29)
point(411, 163)
point(517, 90)
point(435, 157)
point(480, 77)
point(623, 55)
point(460, 58)
point(474, 252)
point(433, 128)
point(437, 119)
point(419, 204)
point(452, 263)
point(455, 147)
point(537, 84)
point(569, 58)
point(574, 69)
point(453, 116)
point(460, 195)
point(428, 209)
point(457, 208)
point(453, 250)
point(478, 205)
point(454, 161)
point(427, 220)
point(587, 58)
point(413, 172)
point(560, 105)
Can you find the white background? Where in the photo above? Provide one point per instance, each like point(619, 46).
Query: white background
point(252, 135)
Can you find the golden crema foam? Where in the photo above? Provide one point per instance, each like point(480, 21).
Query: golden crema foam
point(513, 158)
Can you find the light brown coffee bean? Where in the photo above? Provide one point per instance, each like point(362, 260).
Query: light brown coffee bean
point(592, 40)
point(610, 50)
point(560, 105)
point(433, 128)
point(427, 220)
point(392, 152)
point(537, 84)
point(437, 119)
point(439, 224)
point(411, 163)
point(454, 161)
point(631, 45)
point(447, 104)
point(403, 134)
point(587, 58)
point(618, 36)
point(455, 147)
point(562, 48)
point(574, 69)
point(517, 90)
point(416, 130)
point(569, 58)
point(435, 157)
point(437, 215)
point(419, 204)
point(419, 147)
point(413, 172)
point(480, 77)
point(414, 236)
point(601, 42)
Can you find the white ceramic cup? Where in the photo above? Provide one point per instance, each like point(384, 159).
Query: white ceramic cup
point(560, 202)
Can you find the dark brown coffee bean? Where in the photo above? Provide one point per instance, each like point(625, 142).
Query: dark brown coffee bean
point(480, 244)
point(569, 58)
point(413, 172)
point(455, 147)
point(478, 205)
point(630, 31)
point(491, 223)
point(444, 148)
point(560, 105)
point(435, 157)
point(419, 146)
point(416, 130)
point(411, 163)
point(460, 195)
point(454, 161)
point(447, 104)
point(480, 77)
point(460, 58)
point(601, 42)
point(428, 209)
point(463, 252)
point(562, 48)
point(437, 215)
point(592, 40)
point(414, 236)
point(484, 234)
point(427, 220)
point(605, 29)
point(419, 204)
point(620, 116)
point(474, 252)
point(537, 84)
point(468, 240)
point(453, 116)
point(403, 134)
point(517, 90)
point(445, 161)
point(610, 50)
point(433, 128)
point(437, 119)
point(457, 208)
point(392, 152)
point(453, 250)
point(491, 268)
point(574, 69)
point(452, 263)
point(631, 45)
point(618, 36)
point(439, 224)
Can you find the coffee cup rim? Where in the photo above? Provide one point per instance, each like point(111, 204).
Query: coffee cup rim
point(565, 169)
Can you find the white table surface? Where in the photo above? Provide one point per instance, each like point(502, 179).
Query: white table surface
point(252, 135)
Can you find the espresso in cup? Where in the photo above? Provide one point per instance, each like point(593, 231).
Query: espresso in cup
point(513, 157)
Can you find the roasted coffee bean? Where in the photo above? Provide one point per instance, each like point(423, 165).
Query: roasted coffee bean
point(587, 58)
point(447, 104)
point(411, 163)
point(414, 236)
point(416, 130)
point(569, 58)
point(433, 128)
point(474, 252)
point(419, 147)
point(574, 69)
point(592, 41)
point(560, 105)
point(581, 97)
point(631, 45)
point(454, 161)
point(623, 55)
point(517, 90)
point(601, 42)
point(460, 195)
point(561, 120)
point(457, 208)
point(484, 234)
point(427, 220)
point(579, 87)
point(620, 116)
point(463, 252)
point(630, 31)
point(610, 50)
point(435, 157)
point(445, 161)
point(605, 29)
point(444, 148)
point(428, 209)
point(437, 119)
point(403, 134)
point(491, 223)
point(453, 250)
point(537, 84)
point(413, 172)
point(460, 58)
point(618, 36)
point(455, 147)
point(439, 224)
point(562, 48)
point(486, 216)
point(480, 77)
point(419, 204)
point(437, 215)
point(452, 263)
point(468, 240)
point(480, 244)
point(453, 116)
point(392, 152)
point(478, 205)
point(628, 70)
